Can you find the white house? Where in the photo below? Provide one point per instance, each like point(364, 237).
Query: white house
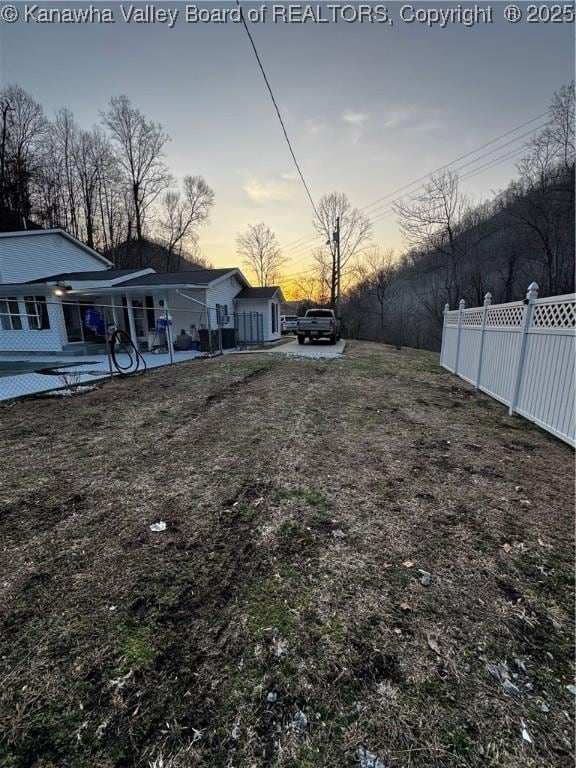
point(58, 296)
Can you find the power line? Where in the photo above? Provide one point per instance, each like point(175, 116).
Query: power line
point(304, 246)
point(294, 244)
point(270, 91)
point(470, 162)
point(473, 172)
point(461, 157)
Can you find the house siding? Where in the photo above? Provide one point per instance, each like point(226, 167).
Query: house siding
point(223, 293)
point(183, 311)
point(264, 307)
point(50, 340)
point(31, 257)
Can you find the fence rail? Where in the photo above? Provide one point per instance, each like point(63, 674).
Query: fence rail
point(521, 353)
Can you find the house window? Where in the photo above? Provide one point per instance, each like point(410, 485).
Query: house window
point(10, 319)
point(37, 313)
point(222, 314)
point(274, 317)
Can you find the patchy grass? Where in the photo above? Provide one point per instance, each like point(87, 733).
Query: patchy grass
point(281, 619)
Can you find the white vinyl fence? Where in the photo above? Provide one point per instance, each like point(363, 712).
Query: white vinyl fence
point(520, 353)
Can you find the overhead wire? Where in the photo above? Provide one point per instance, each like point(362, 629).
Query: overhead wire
point(516, 150)
point(302, 242)
point(274, 102)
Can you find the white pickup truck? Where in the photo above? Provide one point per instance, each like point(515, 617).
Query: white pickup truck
point(318, 324)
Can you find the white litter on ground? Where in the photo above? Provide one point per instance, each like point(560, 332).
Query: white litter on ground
point(159, 526)
point(369, 759)
point(525, 735)
point(69, 392)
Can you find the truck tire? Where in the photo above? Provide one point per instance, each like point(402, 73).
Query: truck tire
point(332, 339)
point(301, 339)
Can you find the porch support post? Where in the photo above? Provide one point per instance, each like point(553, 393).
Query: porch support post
point(115, 313)
point(209, 324)
point(168, 328)
point(131, 321)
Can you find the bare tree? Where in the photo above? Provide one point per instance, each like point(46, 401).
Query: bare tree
point(91, 151)
point(543, 200)
point(140, 145)
point(50, 202)
point(182, 213)
point(261, 253)
point(440, 222)
point(23, 128)
point(66, 136)
point(377, 272)
point(313, 288)
point(355, 229)
point(114, 200)
point(552, 149)
point(562, 124)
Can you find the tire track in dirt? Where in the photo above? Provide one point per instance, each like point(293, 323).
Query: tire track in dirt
point(349, 488)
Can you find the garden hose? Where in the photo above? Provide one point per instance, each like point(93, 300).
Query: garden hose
point(136, 363)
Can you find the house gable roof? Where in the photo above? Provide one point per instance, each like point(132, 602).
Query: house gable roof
point(267, 292)
point(62, 233)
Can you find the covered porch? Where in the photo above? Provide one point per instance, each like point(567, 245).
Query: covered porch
point(155, 321)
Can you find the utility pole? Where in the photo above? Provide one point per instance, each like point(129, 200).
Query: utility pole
point(336, 239)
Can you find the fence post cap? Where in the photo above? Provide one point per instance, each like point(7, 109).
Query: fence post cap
point(488, 298)
point(462, 304)
point(446, 307)
point(533, 288)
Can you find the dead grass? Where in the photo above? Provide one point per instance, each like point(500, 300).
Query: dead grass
point(280, 619)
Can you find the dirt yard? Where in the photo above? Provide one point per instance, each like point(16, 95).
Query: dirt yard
point(366, 563)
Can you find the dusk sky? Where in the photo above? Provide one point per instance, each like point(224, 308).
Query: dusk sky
point(369, 108)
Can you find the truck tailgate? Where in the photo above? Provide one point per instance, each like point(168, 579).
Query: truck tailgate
point(314, 324)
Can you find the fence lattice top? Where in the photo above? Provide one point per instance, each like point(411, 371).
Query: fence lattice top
point(452, 317)
point(554, 315)
point(507, 316)
point(558, 312)
point(472, 317)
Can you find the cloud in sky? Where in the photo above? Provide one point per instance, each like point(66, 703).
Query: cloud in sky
point(316, 125)
point(354, 118)
point(413, 116)
point(268, 190)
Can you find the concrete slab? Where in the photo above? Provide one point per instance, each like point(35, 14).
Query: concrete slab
point(318, 349)
point(89, 369)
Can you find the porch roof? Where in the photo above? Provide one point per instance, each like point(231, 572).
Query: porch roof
point(195, 278)
point(130, 281)
point(100, 275)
